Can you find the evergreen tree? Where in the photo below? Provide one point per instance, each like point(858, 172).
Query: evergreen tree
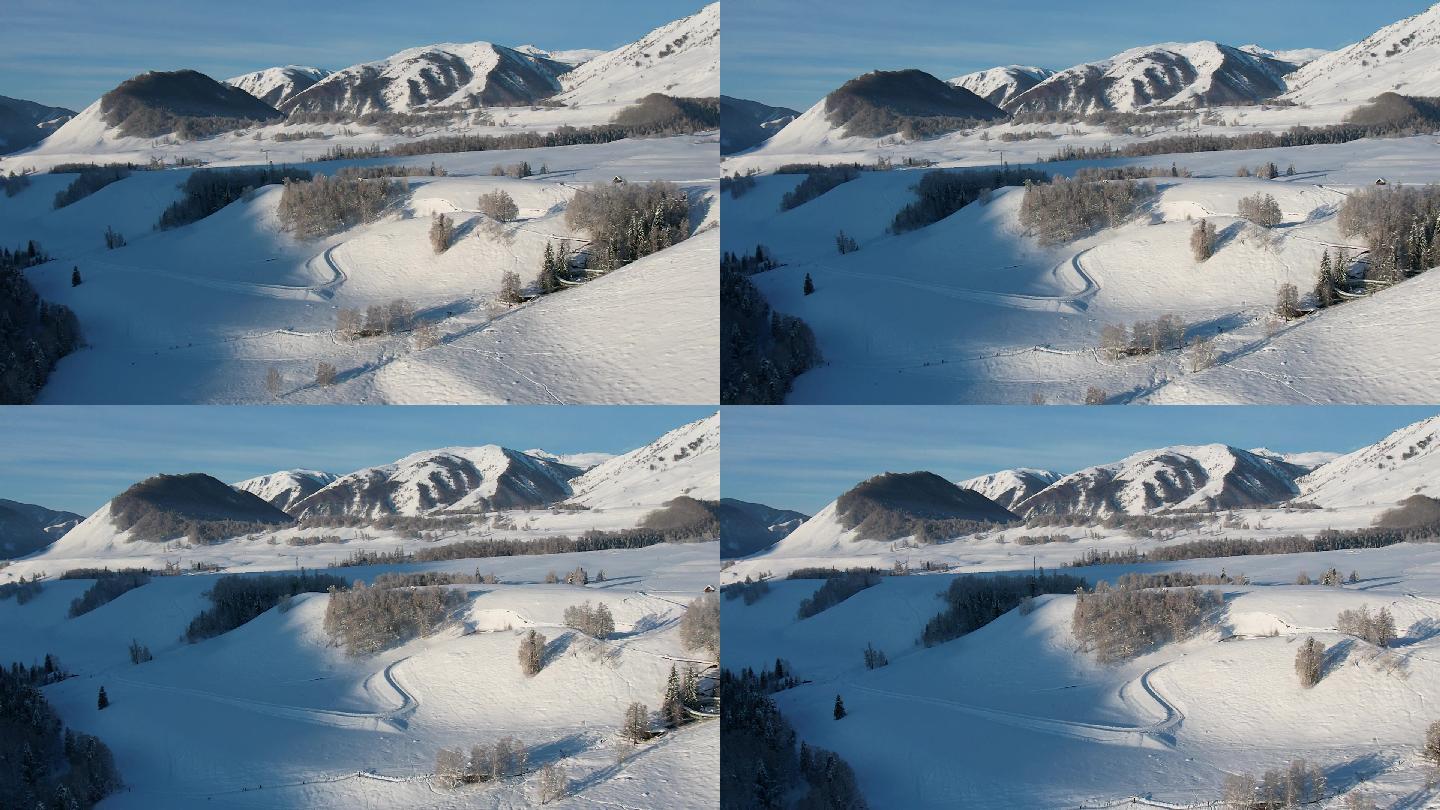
point(75, 277)
point(839, 708)
point(103, 700)
point(672, 705)
point(809, 285)
point(767, 789)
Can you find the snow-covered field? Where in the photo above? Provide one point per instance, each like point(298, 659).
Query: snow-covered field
point(201, 314)
point(973, 309)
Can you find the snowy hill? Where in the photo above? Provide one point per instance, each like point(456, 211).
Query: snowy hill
point(681, 58)
point(286, 488)
point(685, 461)
point(746, 527)
point(1170, 74)
point(25, 527)
point(745, 123)
point(458, 478)
point(277, 85)
point(1401, 57)
point(1405, 463)
point(474, 74)
point(1000, 85)
point(1211, 476)
point(1010, 487)
point(23, 123)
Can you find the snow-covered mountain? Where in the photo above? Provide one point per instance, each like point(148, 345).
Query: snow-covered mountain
point(573, 57)
point(581, 461)
point(1210, 476)
point(1405, 463)
point(23, 123)
point(1402, 57)
point(25, 527)
point(685, 461)
point(277, 85)
point(746, 527)
point(1295, 56)
point(1010, 487)
point(1000, 85)
point(681, 58)
point(1170, 74)
point(455, 478)
point(286, 488)
point(473, 74)
point(745, 123)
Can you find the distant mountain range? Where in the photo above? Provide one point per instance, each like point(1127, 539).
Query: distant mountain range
point(745, 124)
point(25, 527)
point(23, 123)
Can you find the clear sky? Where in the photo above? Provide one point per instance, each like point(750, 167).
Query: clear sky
point(77, 458)
point(803, 457)
point(792, 53)
point(71, 52)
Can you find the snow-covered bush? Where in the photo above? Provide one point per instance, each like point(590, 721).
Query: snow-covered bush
point(499, 205)
point(532, 652)
point(442, 230)
point(1299, 784)
point(700, 626)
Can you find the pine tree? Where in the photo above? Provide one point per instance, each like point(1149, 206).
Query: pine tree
point(809, 285)
point(672, 706)
point(75, 277)
point(839, 708)
point(103, 700)
point(767, 790)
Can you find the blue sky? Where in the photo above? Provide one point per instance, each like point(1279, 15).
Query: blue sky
point(792, 53)
point(803, 457)
point(70, 52)
point(76, 458)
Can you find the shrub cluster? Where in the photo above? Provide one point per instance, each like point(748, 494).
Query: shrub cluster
point(971, 602)
point(1400, 225)
point(1376, 628)
point(23, 590)
point(326, 205)
point(942, 192)
point(209, 190)
point(498, 205)
point(89, 181)
point(366, 620)
point(1128, 620)
point(1298, 785)
point(658, 114)
point(378, 319)
point(595, 622)
point(238, 598)
point(1065, 209)
point(505, 757)
point(15, 183)
point(750, 591)
point(1145, 337)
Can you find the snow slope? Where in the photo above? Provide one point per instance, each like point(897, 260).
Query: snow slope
point(1405, 463)
point(286, 488)
point(1400, 57)
point(685, 461)
point(1000, 85)
point(1009, 487)
point(277, 85)
point(681, 58)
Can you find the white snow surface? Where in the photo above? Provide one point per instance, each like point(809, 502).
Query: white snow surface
point(1405, 463)
point(681, 58)
point(1400, 57)
point(685, 461)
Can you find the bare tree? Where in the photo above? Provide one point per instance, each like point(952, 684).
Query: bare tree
point(510, 291)
point(1309, 660)
point(1095, 396)
point(636, 726)
point(554, 784)
point(1287, 302)
point(324, 373)
point(532, 653)
point(499, 205)
point(1203, 354)
point(274, 383)
point(1202, 240)
point(450, 767)
point(442, 230)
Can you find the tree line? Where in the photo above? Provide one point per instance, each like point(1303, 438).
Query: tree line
point(237, 598)
point(365, 620)
point(209, 190)
point(1065, 209)
point(973, 601)
point(1325, 540)
point(89, 181)
point(942, 192)
point(1131, 618)
point(106, 589)
point(819, 178)
point(325, 205)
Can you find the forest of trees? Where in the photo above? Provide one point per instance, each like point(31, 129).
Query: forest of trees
point(761, 766)
point(837, 589)
point(238, 598)
point(23, 590)
point(365, 620)
point(942, 192)
point(628, 221)
point(700, 626)
point(503, 758)
point(1325, 540)
point(1065, 209)
point(973, 601)
point(106, 588)
point(819, 178)
point(658, 114)
point(1400, 225)
point(34, 334)
point(326, 205)
point(209, 190)
point(1125, 621)
point(89, 181)
point(761, 351)
point(44, 765)
point(1299, 784)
